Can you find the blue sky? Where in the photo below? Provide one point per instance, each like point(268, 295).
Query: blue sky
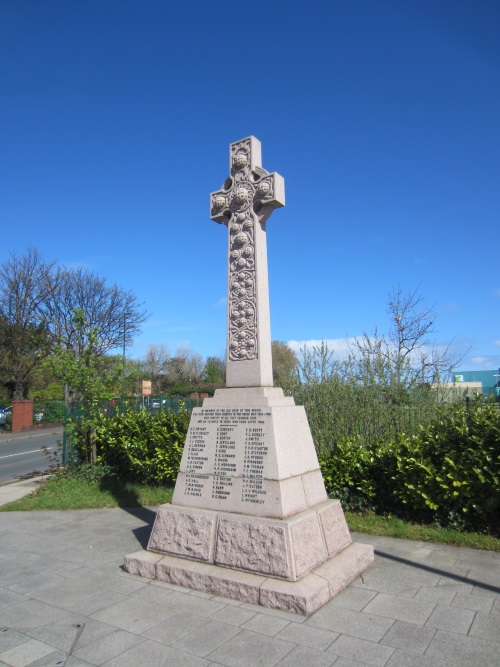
point(383, 117)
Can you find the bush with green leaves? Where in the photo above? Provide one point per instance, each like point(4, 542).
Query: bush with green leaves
point(449, 472)
point(360, 474)
point(348, 473)
point(143, 446)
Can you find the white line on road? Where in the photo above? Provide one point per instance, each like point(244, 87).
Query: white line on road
point(8, 456)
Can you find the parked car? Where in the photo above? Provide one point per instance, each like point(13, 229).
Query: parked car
point(3, 414)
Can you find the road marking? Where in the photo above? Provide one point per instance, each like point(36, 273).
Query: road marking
point(8, 456)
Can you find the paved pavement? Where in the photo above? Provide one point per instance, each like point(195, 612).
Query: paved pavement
point(65, 601)
point(15, 490)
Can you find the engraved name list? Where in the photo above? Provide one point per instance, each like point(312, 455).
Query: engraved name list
point(227, 450)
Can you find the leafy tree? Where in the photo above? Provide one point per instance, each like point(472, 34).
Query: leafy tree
point(92, 382)
point(387, 385)
point(21, 351)
point(37, 304)
point(185, 367)
point(215, 371)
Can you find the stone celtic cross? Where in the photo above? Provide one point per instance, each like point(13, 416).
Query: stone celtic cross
point(244, 203)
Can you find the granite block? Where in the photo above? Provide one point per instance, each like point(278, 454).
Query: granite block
point(183, 533)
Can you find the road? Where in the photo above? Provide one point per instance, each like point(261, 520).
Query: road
point(21, 455)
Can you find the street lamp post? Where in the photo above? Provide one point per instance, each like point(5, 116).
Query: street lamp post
point(123, 370)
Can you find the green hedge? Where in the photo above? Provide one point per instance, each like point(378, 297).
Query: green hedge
point(53, 411)
point(143, 446)
point(447, 473)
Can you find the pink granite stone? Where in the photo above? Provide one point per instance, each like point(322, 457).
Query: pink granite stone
point(300, 597)
point(183, 533)
point(335, 530)
point(314, 488)
point(142, 563)
point(308, 547)
point(210, 579)
point(253, 546)
point(343, 568)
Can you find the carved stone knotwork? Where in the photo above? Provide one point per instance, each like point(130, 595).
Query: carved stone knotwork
point(244, 203)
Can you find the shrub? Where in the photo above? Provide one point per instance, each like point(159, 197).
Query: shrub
point(359, 475)
point(450, 471)
point(347, 472)
point(143, 446)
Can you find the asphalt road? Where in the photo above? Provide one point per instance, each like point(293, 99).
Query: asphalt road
point(22, 455)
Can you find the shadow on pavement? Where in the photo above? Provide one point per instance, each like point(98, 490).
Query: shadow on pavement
point(128, 500)
point(441, 573)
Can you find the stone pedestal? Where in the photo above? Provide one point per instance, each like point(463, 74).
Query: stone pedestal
point(250, 517)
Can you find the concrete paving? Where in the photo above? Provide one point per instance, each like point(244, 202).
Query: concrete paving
point(65, 601)
point(20, 488)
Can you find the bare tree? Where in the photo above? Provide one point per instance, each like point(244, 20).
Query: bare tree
point(285, 363)
point(186, 366)
point(154, 365)
point(28, 285)
point(115, 314)
point(408, 354)
point(38, 302)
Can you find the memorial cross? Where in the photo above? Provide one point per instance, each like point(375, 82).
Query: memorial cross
point(244, 203)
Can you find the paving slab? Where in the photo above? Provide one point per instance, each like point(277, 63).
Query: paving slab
point(454, 619)
point(303, 655)
point(419, 605)
point(307, 636)
point(252, 649)
point(408, 637)
point(486, 626)
point(26, 653)
point(464, 650)
point(107, 647)
point(364, 651)
point(401, 609)
point(267, 625)
point(403, 659)
point(207, 638)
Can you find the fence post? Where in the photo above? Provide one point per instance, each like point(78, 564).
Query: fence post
point(65, 447)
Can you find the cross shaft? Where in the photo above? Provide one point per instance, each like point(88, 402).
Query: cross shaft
point(243, 204)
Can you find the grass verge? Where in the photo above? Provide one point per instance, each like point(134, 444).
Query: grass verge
point(65, 492)
point(390, 526)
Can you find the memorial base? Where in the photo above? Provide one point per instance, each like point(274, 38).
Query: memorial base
point(303, 596)
point(251, 519)
point(295, 564)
